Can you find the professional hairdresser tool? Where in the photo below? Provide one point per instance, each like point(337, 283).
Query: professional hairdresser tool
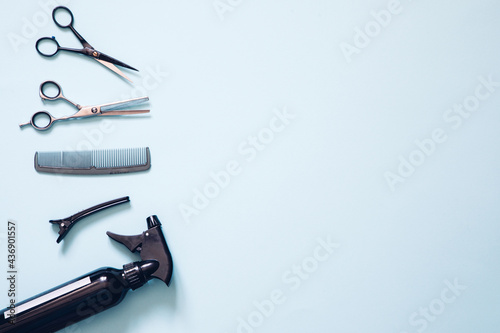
point(67, 223)
point(96, 291)
point(94, 162)
point(108, 109)
point(49, 47)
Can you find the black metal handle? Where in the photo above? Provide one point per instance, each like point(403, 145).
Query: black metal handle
point(69, 25)
point(64, 9)
point(47, 40)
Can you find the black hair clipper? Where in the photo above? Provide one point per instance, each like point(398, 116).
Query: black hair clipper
point(96, 291)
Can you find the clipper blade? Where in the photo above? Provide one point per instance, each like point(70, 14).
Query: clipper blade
point(94, 162)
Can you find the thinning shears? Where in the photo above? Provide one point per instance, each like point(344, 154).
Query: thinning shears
point(50, 46)
point(109, 109)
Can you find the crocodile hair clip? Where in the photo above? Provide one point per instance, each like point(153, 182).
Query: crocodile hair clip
point(67, 223)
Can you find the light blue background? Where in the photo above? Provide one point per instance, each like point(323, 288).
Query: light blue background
point(214, 80)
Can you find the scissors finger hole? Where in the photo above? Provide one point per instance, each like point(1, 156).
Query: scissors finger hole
point(50, 90)
point(41, 120)
point(62, 16)
point(47, 46)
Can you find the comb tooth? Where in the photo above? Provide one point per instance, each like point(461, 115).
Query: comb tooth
point(95, 158)
point(138, 155)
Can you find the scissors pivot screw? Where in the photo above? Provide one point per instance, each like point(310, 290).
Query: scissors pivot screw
point(94, 110)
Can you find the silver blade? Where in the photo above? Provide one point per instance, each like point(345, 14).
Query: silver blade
point(122, 112)
point(113, 68)
point(123, 104)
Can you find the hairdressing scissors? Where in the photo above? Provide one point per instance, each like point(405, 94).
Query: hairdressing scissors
point(109, 109)
point(51, 43)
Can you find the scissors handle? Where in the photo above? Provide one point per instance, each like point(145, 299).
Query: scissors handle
point(44, 48)
point(45, 95)
point(63, 9)
point(38, 115)
point(47, 48)
point(69, 24)
point(47, 85)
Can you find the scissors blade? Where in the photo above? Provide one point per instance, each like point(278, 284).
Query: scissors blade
point(112, 60)
point(122, 112)
point(125, 104)
point(113, 68)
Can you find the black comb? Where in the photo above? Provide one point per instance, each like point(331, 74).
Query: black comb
point(94, 162)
